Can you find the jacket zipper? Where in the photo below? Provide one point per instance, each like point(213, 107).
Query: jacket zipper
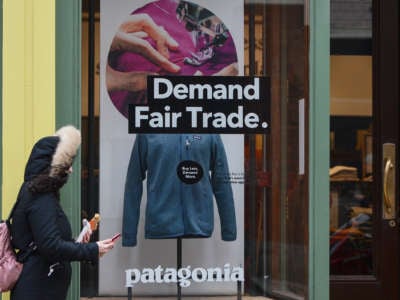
point(187, 143)
point(183, 157)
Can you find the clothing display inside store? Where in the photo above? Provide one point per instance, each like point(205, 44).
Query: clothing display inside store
point(351, 213)
point(184, 172)
point(341, 173)
point(350, 222)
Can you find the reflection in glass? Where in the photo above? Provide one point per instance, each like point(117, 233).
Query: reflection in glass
point(351, 173)
point(276, 194)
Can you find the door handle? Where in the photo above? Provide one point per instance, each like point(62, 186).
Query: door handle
point(386, 197)
point(389, 177)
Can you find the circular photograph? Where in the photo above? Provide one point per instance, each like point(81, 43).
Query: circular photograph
point(166, 37)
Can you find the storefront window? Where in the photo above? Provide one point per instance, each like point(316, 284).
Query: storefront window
point(276, 193)
point(351, 180)
point(216, 205)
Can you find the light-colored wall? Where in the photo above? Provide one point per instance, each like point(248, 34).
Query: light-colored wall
point(28, 87)
point(351, 85)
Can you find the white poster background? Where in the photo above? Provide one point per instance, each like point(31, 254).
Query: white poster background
point(115, 151)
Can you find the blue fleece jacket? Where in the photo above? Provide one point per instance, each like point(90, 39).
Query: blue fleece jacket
point(178, 205)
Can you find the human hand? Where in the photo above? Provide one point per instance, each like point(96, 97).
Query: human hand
point(105, 246)
point(126, 81)
point(86, 236)
point(130, 37)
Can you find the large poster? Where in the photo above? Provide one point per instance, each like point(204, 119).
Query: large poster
point(175, 193)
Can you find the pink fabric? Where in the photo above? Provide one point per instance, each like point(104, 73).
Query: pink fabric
point(10, 269)
point(163, 13)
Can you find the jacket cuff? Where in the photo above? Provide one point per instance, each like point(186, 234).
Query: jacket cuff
point(229, 236)
point(94, 252)
point(128, 241)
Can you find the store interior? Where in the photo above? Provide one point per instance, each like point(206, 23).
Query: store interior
point(351, 173)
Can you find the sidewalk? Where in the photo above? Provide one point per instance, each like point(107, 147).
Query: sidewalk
point(183, 298)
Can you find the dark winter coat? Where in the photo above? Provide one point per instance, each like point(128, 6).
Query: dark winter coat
point(40, 218)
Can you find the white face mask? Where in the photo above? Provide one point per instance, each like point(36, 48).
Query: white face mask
point(69, 171)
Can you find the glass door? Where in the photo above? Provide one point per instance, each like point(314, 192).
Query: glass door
point(364, 240)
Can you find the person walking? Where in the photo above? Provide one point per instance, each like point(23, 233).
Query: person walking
point(40, 229)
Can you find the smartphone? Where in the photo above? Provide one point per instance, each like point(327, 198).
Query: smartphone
point(115, 237)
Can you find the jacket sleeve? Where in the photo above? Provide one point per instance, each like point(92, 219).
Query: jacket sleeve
point(44, 220)
point(133, 191)
point(222, 190)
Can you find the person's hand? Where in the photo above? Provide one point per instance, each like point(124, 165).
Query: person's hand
point(105, 246)
point(130, 37)
point(126, 81)
point(86, 237)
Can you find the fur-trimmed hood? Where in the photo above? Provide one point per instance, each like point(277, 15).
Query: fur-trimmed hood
point(53, 153)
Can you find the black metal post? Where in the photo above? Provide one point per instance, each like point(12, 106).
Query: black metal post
point(90, 201)
point(251, 180)
point(179, 265)
point(129, 293)
point(91, 187)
